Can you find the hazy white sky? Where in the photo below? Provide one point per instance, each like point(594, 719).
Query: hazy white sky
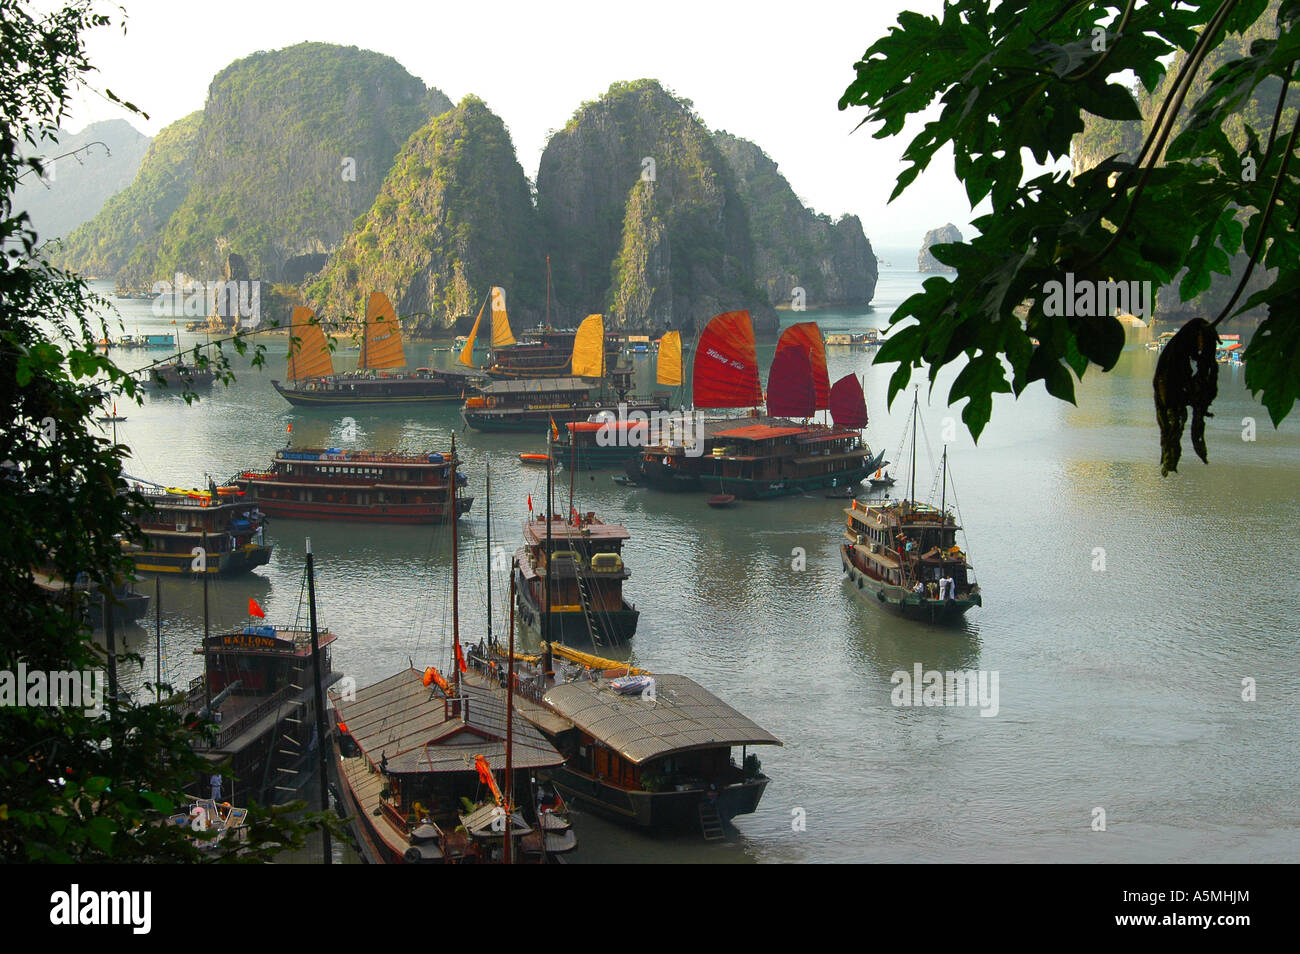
point(770, 72)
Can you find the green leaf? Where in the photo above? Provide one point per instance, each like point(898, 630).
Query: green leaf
point(1273, 358)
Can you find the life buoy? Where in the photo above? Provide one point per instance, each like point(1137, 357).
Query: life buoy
point(597, 404)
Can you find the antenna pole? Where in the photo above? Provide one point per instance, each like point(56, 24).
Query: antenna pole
point(321, 733)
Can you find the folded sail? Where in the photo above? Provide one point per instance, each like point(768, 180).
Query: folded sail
point(467, 353)
point(848, 403)
point(383, 344)
point(501, 336)
point(309, 354)
point(806, 334)
point(669, 366)
point(790, 390)
point(726, 367)
point(589, 348)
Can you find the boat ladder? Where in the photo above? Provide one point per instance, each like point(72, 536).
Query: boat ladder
point(593, 625)
point(710, 820)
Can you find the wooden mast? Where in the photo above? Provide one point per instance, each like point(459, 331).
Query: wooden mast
point(321, 730)
point(489, 549)
point(455, 571)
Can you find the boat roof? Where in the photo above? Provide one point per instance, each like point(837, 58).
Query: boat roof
point(522, 385)
point(335, 455)
point(401, 718)
point(682, 716)
point(760, 432)
point(562, 531)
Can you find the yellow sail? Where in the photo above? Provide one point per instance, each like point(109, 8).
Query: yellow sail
point(467, 353)
point(589, 348)
point(669, 368)
point(501, 336)
point(309, 355)
point(383, 345)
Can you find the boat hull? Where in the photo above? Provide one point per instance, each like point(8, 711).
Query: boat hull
point(539, 419)
point(372, 513)
point(656, 475)
point(664, 811)
point(430, 392)
point(571, 626)
point(903, 602)
point(595, 457)
point(232, 562)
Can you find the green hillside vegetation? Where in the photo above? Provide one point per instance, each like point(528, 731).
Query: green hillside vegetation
point(118, 237)
point(452, 219)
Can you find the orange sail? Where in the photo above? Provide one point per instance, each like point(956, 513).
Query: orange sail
point(806, 334)
point(383, 344)
point(501, 336)
point(669, 368)
point(467, 353)
point(309, 354)
point(589, 348)
point(726, 366)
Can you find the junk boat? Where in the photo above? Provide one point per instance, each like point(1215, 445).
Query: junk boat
point(258, 685)
point(222, 521)
point(529, 404)
point(763, 456)
point(659, 757)
point(334, 484)
point(416, 751)
point(904, 554)
point(586, 574)
point(312, 381)
point(544, 352)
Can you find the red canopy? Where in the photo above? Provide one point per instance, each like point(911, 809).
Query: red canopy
point(806, 334)
point(848, 403)
point(726, 367)
point(790, 390)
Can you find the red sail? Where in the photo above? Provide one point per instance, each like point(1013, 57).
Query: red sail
point(726, 367)
point(848, 403)
point(806, 334)
point(790, 391)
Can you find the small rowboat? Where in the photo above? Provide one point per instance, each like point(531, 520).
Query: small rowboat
point(542, 459)
point(632, 685)
point(624, 481)
point(718, 501)
point(111, 418)
point(841, 493)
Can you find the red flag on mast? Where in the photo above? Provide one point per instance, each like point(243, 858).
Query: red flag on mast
point(254, 609)
point(460, 659)
point(530, 503)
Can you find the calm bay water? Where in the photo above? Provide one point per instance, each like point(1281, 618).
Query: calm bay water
point(1118, 689)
